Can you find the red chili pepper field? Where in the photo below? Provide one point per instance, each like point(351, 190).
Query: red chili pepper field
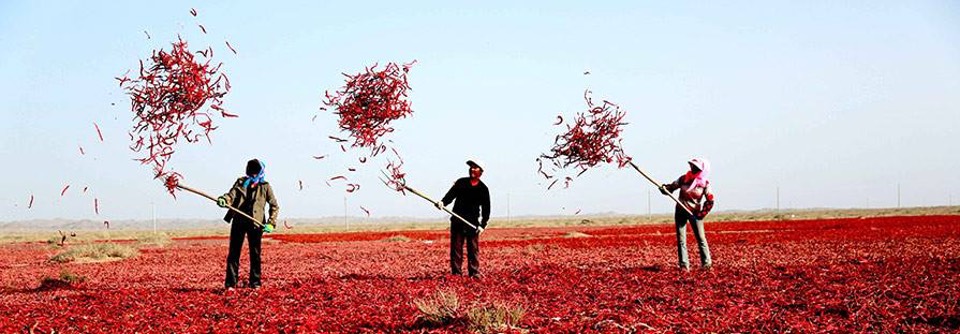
point(890, 274)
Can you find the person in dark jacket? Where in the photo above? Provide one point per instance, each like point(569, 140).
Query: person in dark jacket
point(473, 204)
point(249, 194)
point(695, 195)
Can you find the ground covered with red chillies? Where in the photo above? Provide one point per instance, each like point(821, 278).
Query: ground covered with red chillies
point(890, 274)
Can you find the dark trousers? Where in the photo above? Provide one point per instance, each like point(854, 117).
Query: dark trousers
point(254, 235)
point(457, 239)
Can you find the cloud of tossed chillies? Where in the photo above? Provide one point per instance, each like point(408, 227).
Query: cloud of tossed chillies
point(367, 105)
point(592, 138)
point(172, 97)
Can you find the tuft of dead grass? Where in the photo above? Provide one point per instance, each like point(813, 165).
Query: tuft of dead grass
point(439, 308)
point(495, 317)
point(65, 280)
point(95, 252)
point(576, 234)
point(159, 240)
point(397, 238)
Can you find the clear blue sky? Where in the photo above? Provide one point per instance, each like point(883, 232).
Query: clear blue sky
point(835, 103)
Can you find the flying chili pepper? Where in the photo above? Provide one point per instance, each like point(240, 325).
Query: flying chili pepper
point(30, 205)
point(365, 210)
point(193, 12)
point(64, 191)
point(95, 126)
point(230, 47)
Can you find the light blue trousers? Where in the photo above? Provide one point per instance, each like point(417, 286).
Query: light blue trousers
point(682, 217)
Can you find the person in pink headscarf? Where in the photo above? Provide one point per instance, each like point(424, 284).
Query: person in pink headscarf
point(695, 195)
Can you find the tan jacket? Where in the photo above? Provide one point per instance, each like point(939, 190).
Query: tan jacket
point(264, 194)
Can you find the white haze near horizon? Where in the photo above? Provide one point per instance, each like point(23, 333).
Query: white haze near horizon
point(831, 104)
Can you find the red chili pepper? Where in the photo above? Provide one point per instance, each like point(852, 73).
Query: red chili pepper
point(338, 177)
point(365, 210)
point(286, 226)
point(81, 150)
point(146, 33)
point(318, 157)
point(300, 182)
point(193, 12)
point(202, 28)
point(95, 126)
point(230, 47)
point(30, 205)
point(96, 206)
point(64, 191)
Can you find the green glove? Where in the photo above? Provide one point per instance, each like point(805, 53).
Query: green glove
point(268, 228)
point(222, 202)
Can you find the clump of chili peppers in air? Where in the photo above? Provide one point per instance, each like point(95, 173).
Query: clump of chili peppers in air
point(173, 98)
point(592, 138)
point(369, 102)
point(367, 105)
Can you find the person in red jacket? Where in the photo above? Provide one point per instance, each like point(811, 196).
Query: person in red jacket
point(695, 195)
point(473, 204)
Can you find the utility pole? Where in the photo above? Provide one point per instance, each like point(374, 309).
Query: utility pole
point(648, 204)
point(898, 195)
point(345, 213)
point(154, 207)
point(509, 218)
point(778, 201)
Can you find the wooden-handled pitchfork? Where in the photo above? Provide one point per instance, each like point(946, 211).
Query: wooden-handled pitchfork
point(415, 192)
point(256, 222)
point(655, 183)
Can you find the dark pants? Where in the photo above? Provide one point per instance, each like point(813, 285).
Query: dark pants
point(253, 234)
point(457, 238)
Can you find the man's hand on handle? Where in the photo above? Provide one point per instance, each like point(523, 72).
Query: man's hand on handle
point(663, 189)
point(439, 205)
point(479, 230)
point(222, 202)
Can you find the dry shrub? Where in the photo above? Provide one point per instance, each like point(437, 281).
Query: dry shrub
point(65, 280)
point(576, 234)
point(495, 317)
point(397, 238)
point(95, 252)
point(438, 309)
point(158, 239)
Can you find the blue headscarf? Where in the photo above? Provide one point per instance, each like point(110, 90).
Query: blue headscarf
point(255, 180)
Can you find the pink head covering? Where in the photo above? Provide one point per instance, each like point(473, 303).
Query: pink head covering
point(699, 179)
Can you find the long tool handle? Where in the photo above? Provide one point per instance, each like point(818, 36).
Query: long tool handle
point(256, 222)
point(655, 183)
point(415, 192)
